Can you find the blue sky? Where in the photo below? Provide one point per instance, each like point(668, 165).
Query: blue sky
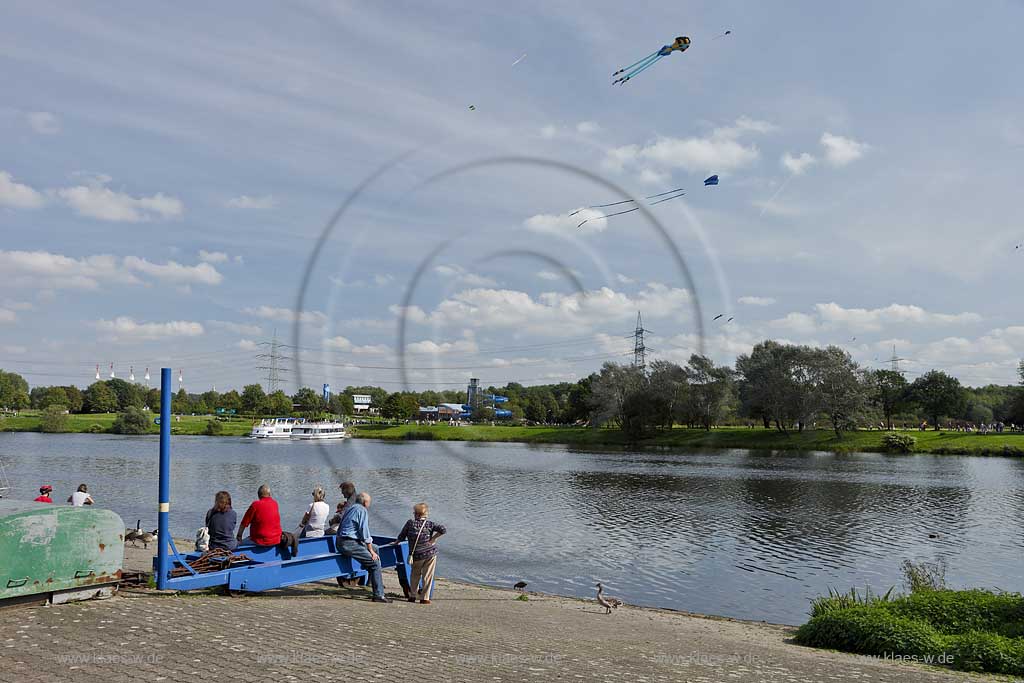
point(166, 171)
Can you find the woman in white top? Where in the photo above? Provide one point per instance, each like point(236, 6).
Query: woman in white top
point(315, 520)
point(80, 497)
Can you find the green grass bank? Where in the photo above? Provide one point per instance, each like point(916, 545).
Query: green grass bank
point(1011, 444)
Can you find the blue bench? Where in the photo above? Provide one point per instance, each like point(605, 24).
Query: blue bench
point(275, 566)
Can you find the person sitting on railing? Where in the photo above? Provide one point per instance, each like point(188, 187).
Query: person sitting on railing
point(220, 521)
point(265, 518)
point(354, 541)
point(315, 519)
point(348, 489)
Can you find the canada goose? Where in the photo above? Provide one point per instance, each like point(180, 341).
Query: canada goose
point(148, 537)
point(133, 534)
point(520, 586)
point(606, 601)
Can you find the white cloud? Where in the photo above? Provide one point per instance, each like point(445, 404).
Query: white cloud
point(235, 328)
point(797, 164)
point(48, 271)
point(756, 300)
point(587, 127)
point(96, 200)
point(840, 151)
point(552, 313)
point(7, 315)
point(430, 347)
point(287, 315)
point(14, 349)
point(624, 279)
point(548, 132)
point(548, 275)
point(172, 271)
point(246, 202)
point(43, 122)
point(783, 209)
point(212, 256)
point(464, 276)
point(124, 328)
point(800, 323)
point(42, 269)
point(247, 345)
point(719, 151)
point(340, 343)
point(378, 280)
point(18, 305)
point(874, 319)
point(18, 196)
point(564, 224)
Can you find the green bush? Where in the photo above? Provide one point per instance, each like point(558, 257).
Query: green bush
point(976, 630)
point(924, 576)
point(987, 652)
point(213, 428)
point(54, 420)
point(836, 600)
point(131, 421)
point(870, 630)
point(961, 611)
point(899, 443)
point(95, 429)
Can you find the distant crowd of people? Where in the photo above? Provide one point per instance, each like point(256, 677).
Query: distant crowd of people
point(77, 499)
point(350, 524)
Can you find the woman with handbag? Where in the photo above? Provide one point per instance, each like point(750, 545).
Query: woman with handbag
point(421, 533)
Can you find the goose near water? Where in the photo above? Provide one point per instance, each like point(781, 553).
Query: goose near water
point(608, 602)
point(148, 537)
point(133, 534)
point(520, 586)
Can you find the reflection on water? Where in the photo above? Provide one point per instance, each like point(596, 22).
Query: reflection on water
point(737, 533)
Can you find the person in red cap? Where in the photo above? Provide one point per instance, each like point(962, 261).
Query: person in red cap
point(44, 494)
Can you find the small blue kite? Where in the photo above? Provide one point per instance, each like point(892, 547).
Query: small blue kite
point(711, 180)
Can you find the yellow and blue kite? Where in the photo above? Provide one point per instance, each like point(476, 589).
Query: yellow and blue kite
point(680, 44)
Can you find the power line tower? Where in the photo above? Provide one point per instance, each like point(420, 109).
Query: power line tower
point(274, 364)
point(895, 360)
point(639, 359)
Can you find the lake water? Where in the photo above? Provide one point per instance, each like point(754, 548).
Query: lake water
point(738, 533)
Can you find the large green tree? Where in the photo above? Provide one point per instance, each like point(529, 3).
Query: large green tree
point(254, 399)
point(100, 398)
point(888, 391)
point(279, 404)
point(841, 389)
point(939, 395)
point(13, 391)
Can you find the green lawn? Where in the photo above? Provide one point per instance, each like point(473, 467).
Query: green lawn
point(28, 421)
point(680, 437)
point(726, 437)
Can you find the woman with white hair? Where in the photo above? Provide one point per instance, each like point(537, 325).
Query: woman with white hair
point(315, 520)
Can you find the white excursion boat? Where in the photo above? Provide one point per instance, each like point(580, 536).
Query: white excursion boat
point(275, 428)
point(320, 431)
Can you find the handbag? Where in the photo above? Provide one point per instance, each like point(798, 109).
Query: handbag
point(414, 543)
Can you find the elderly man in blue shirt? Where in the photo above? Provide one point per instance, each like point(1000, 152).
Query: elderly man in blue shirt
point(355, 541)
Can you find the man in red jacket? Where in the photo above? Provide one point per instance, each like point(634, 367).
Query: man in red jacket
point(265, 519)
point(44, 494)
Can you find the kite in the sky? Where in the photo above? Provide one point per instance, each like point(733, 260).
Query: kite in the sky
point(519, 60)
point(472, 107)
point(712, 180)
point(680, 44)
point(723, 35)
point(630, 201)
point(718, 316)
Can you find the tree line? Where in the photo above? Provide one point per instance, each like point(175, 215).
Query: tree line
point(777, 386)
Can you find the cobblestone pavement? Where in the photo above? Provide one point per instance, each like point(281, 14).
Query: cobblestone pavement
point(469, 633)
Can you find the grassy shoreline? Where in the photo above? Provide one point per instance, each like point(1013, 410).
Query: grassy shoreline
point(959, 443)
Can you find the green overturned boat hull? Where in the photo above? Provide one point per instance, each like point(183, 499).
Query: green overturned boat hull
point(47, 548)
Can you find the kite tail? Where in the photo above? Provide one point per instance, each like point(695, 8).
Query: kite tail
point(634, 72)
point(636, 63)
point(638, 70)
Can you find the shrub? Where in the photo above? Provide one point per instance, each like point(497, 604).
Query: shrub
point(213, 428)
point(899, 443)
point(870, 630)
point(836, 600)
point(962, 611)
point(924, 576)
point(988, 652)
point(54, 420)
point(419, 435)
point(131, 421)
point(95, 429)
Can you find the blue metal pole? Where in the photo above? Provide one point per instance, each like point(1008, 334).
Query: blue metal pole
point(164, 533)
